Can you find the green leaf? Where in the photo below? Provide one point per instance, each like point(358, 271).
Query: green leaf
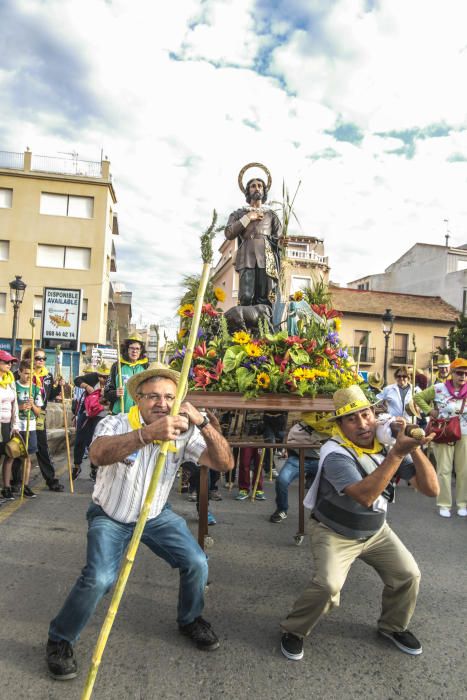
point(299, 355)
point(232, 358)
point(245, 378)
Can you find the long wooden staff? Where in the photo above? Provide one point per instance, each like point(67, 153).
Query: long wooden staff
point(359, 358)
point(119, 370)
point(206, 253)
point(58, 355)
point(23, 480)
point(414, 373)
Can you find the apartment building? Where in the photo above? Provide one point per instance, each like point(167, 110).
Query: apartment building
point(57, 228)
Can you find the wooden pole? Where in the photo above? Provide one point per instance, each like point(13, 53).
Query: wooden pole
point(203, 504)
point(206, 252)
point(119, 371)
point(258, 474)
point(359, 357)
point(33, 325)
point(58, 354)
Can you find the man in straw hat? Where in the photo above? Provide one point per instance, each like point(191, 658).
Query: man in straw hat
point(126, 448)
point(348, 501)
point(443, 368)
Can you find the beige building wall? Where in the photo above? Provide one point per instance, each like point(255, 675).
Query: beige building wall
point(25, 227)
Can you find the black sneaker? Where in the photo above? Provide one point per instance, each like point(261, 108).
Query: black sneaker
point(93, 474)
point(76, 471)
point(56, 486)
point(292, 646)
point(201, 633)
point(405, 641)
point(61, 660)
point(29, 493)
point(15, 487)
point(7, 494)
point(278, 516)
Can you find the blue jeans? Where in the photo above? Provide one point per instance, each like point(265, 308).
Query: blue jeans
point(289, 472)
point(167, 535)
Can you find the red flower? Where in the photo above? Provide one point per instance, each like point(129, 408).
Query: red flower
point(311, 346)
point(295, 340)
point(209, 310)
point(200, 350)
point(202, 376)
point(278, 359)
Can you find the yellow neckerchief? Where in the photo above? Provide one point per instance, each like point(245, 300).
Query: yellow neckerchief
point(377, 446)
point(133, 364)
point(38, 375)
point(134, 419)
point(7, 378)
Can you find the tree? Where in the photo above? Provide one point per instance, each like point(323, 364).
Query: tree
point(458, 338)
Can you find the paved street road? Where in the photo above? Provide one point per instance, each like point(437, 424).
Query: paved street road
point(256, 571)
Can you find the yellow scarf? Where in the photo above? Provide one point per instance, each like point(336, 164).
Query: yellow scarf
point(7, 378)
point(38, 374)
point(135, 423)
point(144, 361)
point(377, 446)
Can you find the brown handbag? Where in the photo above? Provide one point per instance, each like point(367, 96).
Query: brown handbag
point(447, 430)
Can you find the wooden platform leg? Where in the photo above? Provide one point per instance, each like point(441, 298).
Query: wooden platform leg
point(203, 505)
point(301, 495)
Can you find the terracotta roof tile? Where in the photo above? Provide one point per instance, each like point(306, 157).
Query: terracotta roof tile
point(367, 302)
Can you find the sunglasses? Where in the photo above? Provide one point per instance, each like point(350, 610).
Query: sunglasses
point(39, 357)
point(460, 372)
point(7, 362)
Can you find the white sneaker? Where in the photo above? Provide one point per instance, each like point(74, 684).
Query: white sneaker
point(445, 512)
point(462, 512)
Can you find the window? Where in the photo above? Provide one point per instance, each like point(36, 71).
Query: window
point(462, 265)
point(4, 250)
point(67, 205)
point(362, 338)
point(37, 306)
point(401, 341)
point(6, 198)
point(299, 283)
point(67, 257)
point(440, 342)
point(84, 310)
point(2, 302)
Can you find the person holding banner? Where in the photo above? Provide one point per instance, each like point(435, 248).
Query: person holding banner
point(126, 447)
point(132, 361)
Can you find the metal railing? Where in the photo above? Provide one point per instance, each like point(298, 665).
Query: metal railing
point(307, 255)
point(401, 357)
point(11, 161)
point(367, 355)
point(66, 166)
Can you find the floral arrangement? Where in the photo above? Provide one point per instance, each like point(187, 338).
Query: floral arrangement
point(314, 362)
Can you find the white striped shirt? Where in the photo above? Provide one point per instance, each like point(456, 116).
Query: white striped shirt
point(121, 487)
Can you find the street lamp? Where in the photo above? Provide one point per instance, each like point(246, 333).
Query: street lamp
point(17, 289)
point(388, 321)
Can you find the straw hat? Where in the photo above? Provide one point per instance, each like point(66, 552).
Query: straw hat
point(135, 338)
point(375, 380)
point(458, 362)
point(348, 401)
point(443, 361)
point(155, 369)
point(16, 447)
point(103, 369)
point(412, 409)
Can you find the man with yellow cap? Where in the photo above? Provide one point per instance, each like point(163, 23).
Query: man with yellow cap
point(132, 361)
point(348, 502)
point(443, 368)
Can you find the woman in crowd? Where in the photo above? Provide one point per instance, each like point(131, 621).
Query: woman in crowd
point(8, 416)
point(449, 399)
point(44, 380)
point(93, 410)
point(396, 396)
point(133, 360)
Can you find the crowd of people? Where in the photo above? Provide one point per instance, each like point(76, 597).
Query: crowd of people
point(122, 414)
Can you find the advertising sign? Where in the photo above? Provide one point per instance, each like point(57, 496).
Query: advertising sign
point(100, 355)
point(61, 317)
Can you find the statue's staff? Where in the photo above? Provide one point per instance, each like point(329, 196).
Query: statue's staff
point(119, 372)
point(58, 360)
point(28, 421)
point(206, 253)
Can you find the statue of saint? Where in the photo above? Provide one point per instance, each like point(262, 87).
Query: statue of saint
point(259, 230)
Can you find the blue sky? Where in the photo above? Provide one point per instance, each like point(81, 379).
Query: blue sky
point(361, 100)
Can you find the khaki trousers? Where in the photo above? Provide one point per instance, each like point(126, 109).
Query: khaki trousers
point(447, 458)
point(333, 556)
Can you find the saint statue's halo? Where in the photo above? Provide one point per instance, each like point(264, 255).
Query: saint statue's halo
point(253, 165)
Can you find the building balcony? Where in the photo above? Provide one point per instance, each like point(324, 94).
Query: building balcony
point(74, 166)
point(367, 355)
point(306, 256)
point(401, 357)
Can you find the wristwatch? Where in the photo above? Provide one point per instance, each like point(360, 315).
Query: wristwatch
point(205, 422)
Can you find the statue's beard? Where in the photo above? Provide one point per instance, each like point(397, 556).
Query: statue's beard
point(256, 195)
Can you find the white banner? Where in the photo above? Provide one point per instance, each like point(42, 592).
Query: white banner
point(61, 314)
point(107, 355)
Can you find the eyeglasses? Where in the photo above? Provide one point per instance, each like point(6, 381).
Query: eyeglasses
point(7, 362)
point(39, 357)
point(460, 372)
point(401, 376)
point(157, 398)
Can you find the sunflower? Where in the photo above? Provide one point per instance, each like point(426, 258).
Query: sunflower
point(337, 324)
point(219, 293)
point(186, 310)
point(263, 380)
point(298, 296)
point(181, 333)
point(299, 373)
point(241, 338)
point(253, 350)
